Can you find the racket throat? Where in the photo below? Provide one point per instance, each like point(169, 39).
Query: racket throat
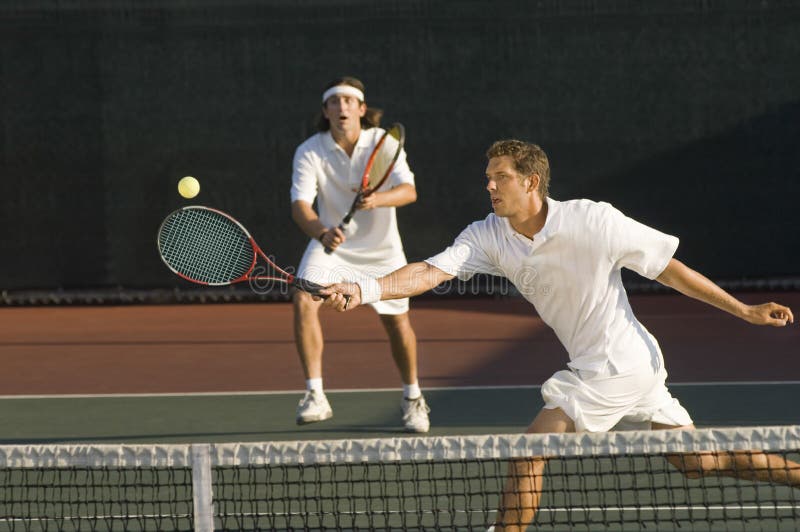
point(353, 208)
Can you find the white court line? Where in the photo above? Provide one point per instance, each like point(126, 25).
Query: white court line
point(365, 390)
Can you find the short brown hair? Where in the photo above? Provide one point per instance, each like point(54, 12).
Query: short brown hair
point(372, 118)
point(528, 159)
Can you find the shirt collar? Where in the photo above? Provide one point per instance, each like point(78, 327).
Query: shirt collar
point(551, 223)
point(553, 220)
point(330, 144)
point(364, 138)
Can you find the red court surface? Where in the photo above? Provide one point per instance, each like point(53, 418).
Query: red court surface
point(250, 348)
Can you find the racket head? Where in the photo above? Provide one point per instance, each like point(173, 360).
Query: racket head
point(383, 158)
point(206, 246)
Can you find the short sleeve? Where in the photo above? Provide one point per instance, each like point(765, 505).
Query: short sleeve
point(304, 177)
point(401, 173)
point(469, 254)
point(636, 246)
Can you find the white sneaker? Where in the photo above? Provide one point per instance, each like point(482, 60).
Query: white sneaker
point(415, 414)
point(313, 407)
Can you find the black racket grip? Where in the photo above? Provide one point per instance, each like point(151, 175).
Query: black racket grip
point(348, 216)
point(307, 286)
point(312, 288)
point(341, 228)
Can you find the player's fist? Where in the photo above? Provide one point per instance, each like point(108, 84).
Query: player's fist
point(370, 202)
point(342, 296)
point(332, 238)
point(769, 314)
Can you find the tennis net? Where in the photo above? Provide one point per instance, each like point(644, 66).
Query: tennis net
point(611, 481)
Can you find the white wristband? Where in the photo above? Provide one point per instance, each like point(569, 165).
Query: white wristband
point(370, 290)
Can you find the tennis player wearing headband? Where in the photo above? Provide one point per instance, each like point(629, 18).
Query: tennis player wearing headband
point(565, 257)
point(328, 168)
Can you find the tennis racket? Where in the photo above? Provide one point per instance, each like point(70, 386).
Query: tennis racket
point(379, 165)
point(208, 247)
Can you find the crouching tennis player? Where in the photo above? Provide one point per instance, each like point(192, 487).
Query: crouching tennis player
point(565, 257)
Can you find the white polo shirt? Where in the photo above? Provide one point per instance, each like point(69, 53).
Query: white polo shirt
point(323, 171)
point(570, 271)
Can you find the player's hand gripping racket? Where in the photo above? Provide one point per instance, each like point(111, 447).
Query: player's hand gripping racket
point(379, 166)
point(209, 247)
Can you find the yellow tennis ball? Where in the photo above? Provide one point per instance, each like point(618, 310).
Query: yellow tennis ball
point(188, 187)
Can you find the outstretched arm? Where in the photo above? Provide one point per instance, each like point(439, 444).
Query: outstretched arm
point(693, 284)
point(410, 280)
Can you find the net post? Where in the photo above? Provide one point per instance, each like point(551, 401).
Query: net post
point(201, 488)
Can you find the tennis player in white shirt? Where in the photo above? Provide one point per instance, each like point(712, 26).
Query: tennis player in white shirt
point(566, 259)
point(328, 168)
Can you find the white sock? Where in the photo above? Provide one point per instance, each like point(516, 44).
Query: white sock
point(314, 384)
point(412, 391)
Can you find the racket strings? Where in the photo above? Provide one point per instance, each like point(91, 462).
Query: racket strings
point(205, 246)
point(236, 254)
point(385, 157)
point(213, 251)
point(232, 256)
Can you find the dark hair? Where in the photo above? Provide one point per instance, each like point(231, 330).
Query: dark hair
point(528, 159)
point(372, 118)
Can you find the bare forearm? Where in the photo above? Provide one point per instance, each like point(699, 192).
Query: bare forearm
point(308, 220)
point(695, 285)
point(397, 197)
point(411, 280)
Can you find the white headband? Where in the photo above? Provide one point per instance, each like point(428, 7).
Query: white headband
point(347, 90)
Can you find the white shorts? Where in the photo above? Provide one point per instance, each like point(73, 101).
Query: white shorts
point(598, 402)
point(319, 267)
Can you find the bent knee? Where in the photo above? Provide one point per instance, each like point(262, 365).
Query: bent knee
point(303, 301)
point(396, 322)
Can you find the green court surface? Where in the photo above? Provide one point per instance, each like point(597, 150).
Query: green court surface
point(580, 493)
point(357, 414)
